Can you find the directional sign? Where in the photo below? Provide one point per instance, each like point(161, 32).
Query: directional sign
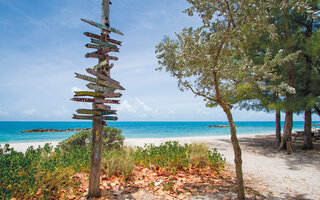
point(92, 55)
point(101, 82)
point(108, 101)
point(87, 93)
point(83, 100)
point(104, 77)
point(92, 46)
point(111, 95)
point(102, 107)
point(99, 88)
point(84, 117)
point(102, 43)
point(97, 94)
point(99, 37)
point(110, 118)
point(96, 112)
point(107, 50)
point(107, 28)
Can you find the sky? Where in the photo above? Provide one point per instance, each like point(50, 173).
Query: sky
point(42, 45)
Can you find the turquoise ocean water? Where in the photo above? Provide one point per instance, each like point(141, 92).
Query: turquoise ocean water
point(10, 131)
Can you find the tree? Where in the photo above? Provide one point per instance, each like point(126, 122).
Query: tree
point(213, 60)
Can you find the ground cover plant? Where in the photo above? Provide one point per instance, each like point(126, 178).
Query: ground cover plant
point(47, 173)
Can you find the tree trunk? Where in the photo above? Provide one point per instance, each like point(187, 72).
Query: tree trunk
point(287, 130)
point(307, 129)
point(237, 152)
point(278, 127)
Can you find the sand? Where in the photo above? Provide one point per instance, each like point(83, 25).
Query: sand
point(275, 174)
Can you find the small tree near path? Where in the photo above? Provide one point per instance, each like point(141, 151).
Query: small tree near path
point(213, 60)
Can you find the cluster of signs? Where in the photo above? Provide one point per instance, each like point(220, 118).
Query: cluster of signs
point(102, 84)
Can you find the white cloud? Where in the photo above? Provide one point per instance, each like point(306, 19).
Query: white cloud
point(145, 107)
point(3, 113)
point(126, 107)
point(30, 111)
point(61, 111)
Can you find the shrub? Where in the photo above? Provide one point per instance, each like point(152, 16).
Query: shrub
point(112, 138)
point(172, 156)
point(118, 162)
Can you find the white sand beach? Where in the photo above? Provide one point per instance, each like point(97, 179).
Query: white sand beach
point(275, 174)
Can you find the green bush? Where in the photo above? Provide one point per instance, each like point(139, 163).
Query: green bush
point(38, 170)
point(112, 138)
point(172, 156)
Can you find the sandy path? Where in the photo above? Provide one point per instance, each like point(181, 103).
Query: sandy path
point(274, 174)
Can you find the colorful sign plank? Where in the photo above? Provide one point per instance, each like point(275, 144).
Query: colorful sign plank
point(107, 28)
point(110, 118)
point(102, 107)
point(87, 93)
point(83, 117)
point(102, 43)
point(104, 77)
point(99, 88)
point(83, 100)
point(108, 101)
point(100, 82)
point(92, 55)
point(92, 46)
point(96, 112)
point(98, 94)
point(99, 37)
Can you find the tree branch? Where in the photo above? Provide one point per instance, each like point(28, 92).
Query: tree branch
point(199, 94)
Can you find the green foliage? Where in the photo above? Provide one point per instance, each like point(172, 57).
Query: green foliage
point(112, 138)
point(38, 170)
point(172, 156)
point(118, 162)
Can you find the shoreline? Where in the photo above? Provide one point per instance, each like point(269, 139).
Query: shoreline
point(23, 146)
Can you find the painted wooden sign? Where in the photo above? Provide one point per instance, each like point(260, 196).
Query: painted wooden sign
point(96, 112)
point(92, 46)
point(104, 77)
point(92, 55)
point(110, 118)
point(108, 101)
point(111, 95)
point(102, 107)
point(107, 28)
point(87, 93)
point(99, 37)
point(99, 88)
point(83, 117)
point(102, 43)
point(101, 82)
point(83, 100)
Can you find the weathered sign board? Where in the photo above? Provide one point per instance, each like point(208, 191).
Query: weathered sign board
point(107, 28)
point(96, 112)
point(102, 43)
point(102, 76)
point(97, 94)
point(102, 107)
point(99, 88)
point(92, 46)
point(99, 37)
point(91, 117)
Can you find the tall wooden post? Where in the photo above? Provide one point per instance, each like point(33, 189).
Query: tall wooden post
point(104, 87)
point(97, 123)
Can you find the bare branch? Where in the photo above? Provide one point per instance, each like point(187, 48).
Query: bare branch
point(199, 94)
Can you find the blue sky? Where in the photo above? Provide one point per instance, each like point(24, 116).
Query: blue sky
point(42, 45)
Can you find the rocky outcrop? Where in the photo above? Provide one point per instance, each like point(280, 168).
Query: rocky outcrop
point(220, 126)
point(41, 130)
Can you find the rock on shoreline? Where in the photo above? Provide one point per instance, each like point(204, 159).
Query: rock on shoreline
point(220, 126)
point(42, 130)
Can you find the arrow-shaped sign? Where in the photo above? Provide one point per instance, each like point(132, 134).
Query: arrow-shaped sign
point(83, 117)
point(97, 94)
point(96, 112)
point(102, 43)
point(92, 46)
point(105, 39)
point(102, 76)
point(108, 101)
point(102, 107)
point(83, 100)
point(101, 82)
point(107, 28)
point(99, 88)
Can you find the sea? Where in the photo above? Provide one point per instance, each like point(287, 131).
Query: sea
point(10, 131)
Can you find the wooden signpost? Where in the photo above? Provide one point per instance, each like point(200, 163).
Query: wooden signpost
point(104, 87)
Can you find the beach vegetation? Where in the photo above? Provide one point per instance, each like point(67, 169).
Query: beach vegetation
point(172, 157)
